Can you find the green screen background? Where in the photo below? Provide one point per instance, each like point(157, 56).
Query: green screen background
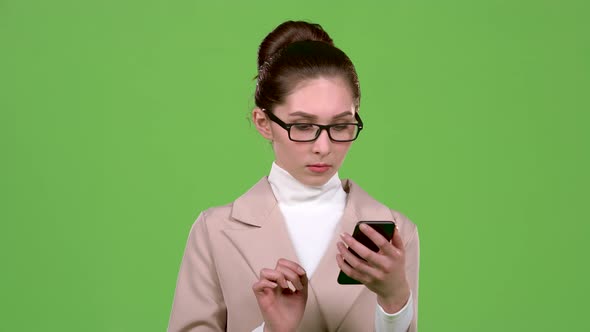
point(122, 120)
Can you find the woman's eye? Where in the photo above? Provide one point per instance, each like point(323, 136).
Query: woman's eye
point(303, 127)
point(340, 127)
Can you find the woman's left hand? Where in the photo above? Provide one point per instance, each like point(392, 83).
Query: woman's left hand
point(382, 272)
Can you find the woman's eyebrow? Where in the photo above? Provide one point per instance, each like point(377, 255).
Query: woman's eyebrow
point(313, 117)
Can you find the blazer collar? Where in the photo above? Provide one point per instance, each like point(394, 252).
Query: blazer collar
point(255, 206)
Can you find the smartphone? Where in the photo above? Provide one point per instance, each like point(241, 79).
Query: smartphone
point(385, 228)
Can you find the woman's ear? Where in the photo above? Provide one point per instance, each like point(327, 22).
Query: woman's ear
point(262, 123)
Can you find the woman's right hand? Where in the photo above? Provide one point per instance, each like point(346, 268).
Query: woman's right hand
point(282, 295)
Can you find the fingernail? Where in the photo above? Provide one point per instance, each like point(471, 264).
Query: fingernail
point(363, 227)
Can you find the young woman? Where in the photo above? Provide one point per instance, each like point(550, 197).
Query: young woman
point(270, 260)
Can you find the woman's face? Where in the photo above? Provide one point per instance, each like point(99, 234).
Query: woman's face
point(321, 101)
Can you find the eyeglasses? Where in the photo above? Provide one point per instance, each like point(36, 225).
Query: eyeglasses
point(309, 132)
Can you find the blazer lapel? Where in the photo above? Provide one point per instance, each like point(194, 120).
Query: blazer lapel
point(267, 238)
point(263, 238)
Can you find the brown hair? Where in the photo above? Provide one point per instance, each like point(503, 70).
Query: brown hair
point(296, 51)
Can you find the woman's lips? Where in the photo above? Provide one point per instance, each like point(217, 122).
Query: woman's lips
point(319, 168)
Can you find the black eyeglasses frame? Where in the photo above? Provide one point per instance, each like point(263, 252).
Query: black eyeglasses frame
point(287, 127)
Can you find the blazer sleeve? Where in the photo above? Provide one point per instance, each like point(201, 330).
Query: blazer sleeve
point(412, 248)
point(198, 299)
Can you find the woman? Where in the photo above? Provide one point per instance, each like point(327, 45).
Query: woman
point(270, 260)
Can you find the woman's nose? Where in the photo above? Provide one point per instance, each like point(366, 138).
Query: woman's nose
point(322, 144)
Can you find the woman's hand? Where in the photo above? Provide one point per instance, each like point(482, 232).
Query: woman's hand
point(282, 295)
point(382, 272)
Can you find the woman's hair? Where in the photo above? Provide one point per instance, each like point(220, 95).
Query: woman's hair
point(296, 51)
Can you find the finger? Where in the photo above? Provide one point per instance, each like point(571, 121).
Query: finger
point(261, 285)
point(290, 275)
point(354, 262)
point(397, 240)
point(348, 270)
point(359, 248)
point(379, 240)
point(303, 279)
point(291, 265)
point(275, 276)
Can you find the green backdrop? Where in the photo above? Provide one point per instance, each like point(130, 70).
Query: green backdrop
point(122, 120)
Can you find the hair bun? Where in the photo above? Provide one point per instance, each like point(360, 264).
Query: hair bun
point(287, 33)
point(296, 51)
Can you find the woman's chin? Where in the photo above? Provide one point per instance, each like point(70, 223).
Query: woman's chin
point(317, 179)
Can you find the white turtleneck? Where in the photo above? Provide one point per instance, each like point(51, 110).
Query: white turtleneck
point(311, 215)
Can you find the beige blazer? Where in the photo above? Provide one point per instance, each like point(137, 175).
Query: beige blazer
point(229, 245)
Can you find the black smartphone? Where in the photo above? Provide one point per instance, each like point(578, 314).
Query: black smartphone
point(385, 228)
